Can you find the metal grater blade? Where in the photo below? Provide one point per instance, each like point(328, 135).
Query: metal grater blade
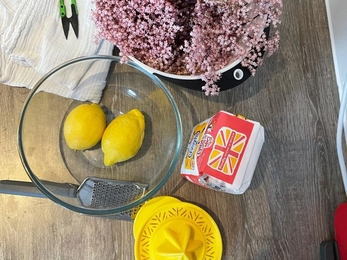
point(103, 193)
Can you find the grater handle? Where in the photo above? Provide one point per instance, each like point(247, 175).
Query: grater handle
point(23, 188)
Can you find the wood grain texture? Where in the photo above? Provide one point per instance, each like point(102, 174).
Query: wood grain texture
point(287, 211)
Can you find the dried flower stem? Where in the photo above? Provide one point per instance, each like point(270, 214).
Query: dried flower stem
point(190, 37)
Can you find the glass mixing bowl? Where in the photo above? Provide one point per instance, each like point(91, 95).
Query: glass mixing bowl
point(61, 173)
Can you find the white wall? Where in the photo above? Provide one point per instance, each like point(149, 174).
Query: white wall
point(337, 18)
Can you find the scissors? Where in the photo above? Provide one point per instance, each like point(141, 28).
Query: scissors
point(73, 19)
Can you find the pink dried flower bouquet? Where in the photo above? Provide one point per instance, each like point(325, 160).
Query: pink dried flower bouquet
point(187, 37)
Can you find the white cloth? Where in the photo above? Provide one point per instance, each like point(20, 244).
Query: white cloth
point(32, 43)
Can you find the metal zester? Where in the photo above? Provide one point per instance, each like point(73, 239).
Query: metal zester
point(96, 193)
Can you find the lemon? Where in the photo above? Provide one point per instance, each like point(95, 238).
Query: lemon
point(84, 126)
point(123, 137)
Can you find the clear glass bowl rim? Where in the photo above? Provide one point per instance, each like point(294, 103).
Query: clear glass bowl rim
point(99, 212)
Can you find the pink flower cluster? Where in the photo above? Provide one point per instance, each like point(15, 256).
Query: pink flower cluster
point(190, 37)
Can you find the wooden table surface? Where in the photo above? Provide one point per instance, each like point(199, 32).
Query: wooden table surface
point(287, 211)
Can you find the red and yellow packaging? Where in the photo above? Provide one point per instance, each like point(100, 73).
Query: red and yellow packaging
point(223, 152)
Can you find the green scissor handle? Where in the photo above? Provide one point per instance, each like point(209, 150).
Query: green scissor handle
point(62, 8)
point(73, 4)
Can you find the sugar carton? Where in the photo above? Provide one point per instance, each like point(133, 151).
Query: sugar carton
point(223, 152)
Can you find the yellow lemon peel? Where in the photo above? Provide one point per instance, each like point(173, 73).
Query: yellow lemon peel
point(123, 137)
point(84, 126)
